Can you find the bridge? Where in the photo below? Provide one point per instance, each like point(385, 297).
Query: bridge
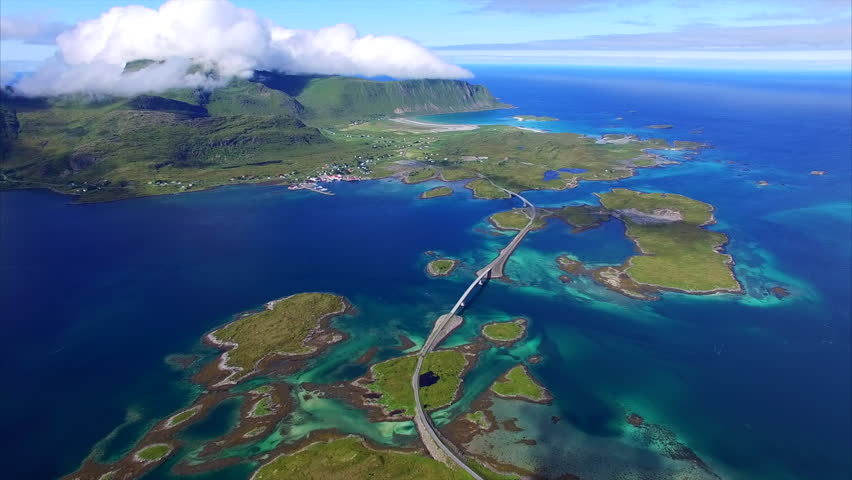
point(439, 448)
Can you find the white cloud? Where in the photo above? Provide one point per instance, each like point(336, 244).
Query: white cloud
point(216, 33)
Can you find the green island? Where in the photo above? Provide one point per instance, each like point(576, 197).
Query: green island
point(263, 407)
point(677, 252)
point(660, 127)
point(534, 118)
point(517, 383)
point(282, 328)
point(442, 191)
point(516, 219)
point(349, 458)
point(479, 418)
point(181, 417)
point(152, 453)
point(505, 331)
point(392, 378)
point(441, 267)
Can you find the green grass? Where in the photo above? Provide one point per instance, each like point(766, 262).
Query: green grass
point(441, 266)
point(503, 331)
point(393, 380)
point(281, 329)
point(484, 189)
point(182, 417)
point(262, 407)
point(154, 452)
point(486, 473)
point(582, 216)
point(437, 192)
point(478, 418)
point(516, 219)
point(517, 383)
point(350, 459)
point(420, 175)
point(680, 255)
point(262, 390)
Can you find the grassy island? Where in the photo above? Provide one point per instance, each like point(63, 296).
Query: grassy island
point(660, 127)
point(534, 118)
point(181, 417)
point(515, 219)
point(677, 252)
point(152, 453)
point(348, 459)
point(281, 328)
point(505, 331)
point(485, 189)
point(479, 418)
point(441, 267)
point(393, 380)
point(518, 383)
point(263, 407)
point(437, 192)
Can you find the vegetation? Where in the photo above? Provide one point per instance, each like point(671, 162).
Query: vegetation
point(484, 189)
point(441, 267)
point(518, 383)
point(154, 452)
point(437, 192)
point(262, 407)
point(280, 328)
point(660, 127)
point(582, 217)
point(534, 118)
point(677, 254)
point(516, 219)
point(420, 175)
point(393, 380)
point(349, 458)
point(182, 416)
point(478, 417)
point(505, 331)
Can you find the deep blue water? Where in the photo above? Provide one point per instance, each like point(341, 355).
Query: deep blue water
point(94, 297)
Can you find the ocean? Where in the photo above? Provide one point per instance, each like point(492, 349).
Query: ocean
point(95, 298)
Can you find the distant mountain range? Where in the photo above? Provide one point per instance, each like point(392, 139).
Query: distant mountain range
point(83, 138)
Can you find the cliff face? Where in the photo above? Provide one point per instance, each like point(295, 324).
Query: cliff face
point(9, 128)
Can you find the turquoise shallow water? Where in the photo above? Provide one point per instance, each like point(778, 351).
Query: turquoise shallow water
point(97, 296)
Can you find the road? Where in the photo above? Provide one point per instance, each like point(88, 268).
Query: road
point(437, 447)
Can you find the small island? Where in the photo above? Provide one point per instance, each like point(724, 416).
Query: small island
point(534, 118)
point(255, 337)
point(439, 382)
point(516, 219)
point(442, 191)
point(677, 252)
point(505, 332)
point(818, 172)
point(153, 453)
point(517, 383)
point(660, 127)
point(181, 417)
point(441, 267)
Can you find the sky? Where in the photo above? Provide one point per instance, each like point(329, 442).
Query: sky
point(430, 37)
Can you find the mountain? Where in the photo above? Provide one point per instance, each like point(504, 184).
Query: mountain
point(268, 119)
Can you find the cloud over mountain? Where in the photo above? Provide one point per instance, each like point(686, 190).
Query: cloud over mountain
point(217, 35)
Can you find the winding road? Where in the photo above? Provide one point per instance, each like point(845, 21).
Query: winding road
point(438, 447)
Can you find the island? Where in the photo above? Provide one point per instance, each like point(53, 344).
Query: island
point(439, 384)
point(534, 118)
point(660, 127)
point(505, 333)
point(254, 338)
point(517, 383)
point(516, 219)
point(441, 267)
point(442, 191)
point(153, 453)
point(677, 252)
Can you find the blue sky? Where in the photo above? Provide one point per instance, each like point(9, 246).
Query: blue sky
point(677, 32)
